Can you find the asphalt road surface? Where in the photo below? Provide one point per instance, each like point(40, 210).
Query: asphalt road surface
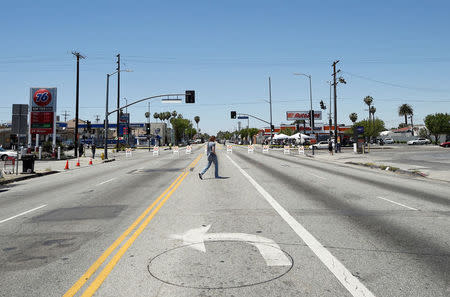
point(273, 225)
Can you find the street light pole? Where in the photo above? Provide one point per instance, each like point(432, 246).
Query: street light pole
point(118, 100)
point(128, 121)
point(311, 114)
point(107, 113)
point(270, 103)
point(335, 107)
point(106, 117)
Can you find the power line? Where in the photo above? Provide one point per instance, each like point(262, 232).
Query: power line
point(395, 85)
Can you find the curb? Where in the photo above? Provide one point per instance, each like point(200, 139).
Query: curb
point(4, 182)
point(398, 170)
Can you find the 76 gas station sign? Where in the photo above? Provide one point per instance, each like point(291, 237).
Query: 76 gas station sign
point(43, 108)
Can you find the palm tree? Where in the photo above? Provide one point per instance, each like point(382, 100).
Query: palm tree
point(174, 114)
point(405, 110)
point(353, 117)
point(156, 115)
point(197, 119)
point(372, 110)
point(368, 100)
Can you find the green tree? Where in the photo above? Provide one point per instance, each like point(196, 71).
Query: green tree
point(287, 131)
point(402, 125)
point(438, 123)
point(405, 110)
point(353, 117)
point(179, 126)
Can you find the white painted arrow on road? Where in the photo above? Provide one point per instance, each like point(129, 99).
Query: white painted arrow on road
point(268, 249)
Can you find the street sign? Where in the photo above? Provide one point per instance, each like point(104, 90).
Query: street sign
point(242, 117)
point(19, 122)
point(302, 115)
point(43, 108)
point(360, 129)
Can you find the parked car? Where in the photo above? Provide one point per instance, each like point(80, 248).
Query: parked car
point(445, 144)
point(321, 145)
point(388, 140)
point(419, 141)
point(4, 154)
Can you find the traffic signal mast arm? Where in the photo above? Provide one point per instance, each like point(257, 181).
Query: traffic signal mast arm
point(144, 99)
point(249, 115)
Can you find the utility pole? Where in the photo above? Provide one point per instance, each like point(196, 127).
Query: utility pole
point(149, 127)
point(79, 56)
point(270, 102)
point(118, 100)
point(66, 114)
point(335, 106)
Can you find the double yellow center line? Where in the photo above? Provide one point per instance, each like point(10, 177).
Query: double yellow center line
point(93, 287)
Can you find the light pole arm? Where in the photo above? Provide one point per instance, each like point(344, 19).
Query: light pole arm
point(144, 99)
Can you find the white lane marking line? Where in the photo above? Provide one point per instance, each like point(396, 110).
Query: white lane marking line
point(351, 283)
point(317, 176)
point(106, 181)
point(412, 208)
point(23, 213)
point(269, 249)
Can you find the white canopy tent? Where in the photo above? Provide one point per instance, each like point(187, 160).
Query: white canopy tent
point(300, 137)
point(280, 136)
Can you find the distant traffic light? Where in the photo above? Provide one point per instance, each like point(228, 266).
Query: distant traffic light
point(322, 105)
point(147, 129)
point(272, 128)
point(88, 125)
point(233, 114)
point(190, 96)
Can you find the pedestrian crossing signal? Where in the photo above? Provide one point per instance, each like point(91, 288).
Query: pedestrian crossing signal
point(233, 114)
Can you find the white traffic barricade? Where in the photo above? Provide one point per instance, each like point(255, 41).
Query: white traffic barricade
point(301, 150)
point(265, 149)
point(176, 150)
point(229, 148)
point(156, 150)
point(9, 165)
point(251, 148)
point(188, 150)
point(128, 152)
point(287, 150)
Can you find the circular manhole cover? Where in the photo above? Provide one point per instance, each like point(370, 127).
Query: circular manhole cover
point(224, 265)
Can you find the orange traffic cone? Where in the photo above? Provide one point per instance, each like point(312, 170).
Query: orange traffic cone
point(78, 163)
point(67, 165)
point(90, 162)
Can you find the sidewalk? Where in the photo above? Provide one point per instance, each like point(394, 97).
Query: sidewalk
point(378, 162)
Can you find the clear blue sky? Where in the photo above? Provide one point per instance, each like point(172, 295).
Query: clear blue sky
point(226, 50)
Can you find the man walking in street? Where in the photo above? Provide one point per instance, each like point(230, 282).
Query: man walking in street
point(93, 151)
point(212, 157)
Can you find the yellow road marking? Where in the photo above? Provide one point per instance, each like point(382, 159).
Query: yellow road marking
point(91, 270)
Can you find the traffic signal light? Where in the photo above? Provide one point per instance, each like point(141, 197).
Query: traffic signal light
point(322, 105)
point(190, 96)
point(147, 129)
point(88, 124)
point(272, 128)
point(233, 114)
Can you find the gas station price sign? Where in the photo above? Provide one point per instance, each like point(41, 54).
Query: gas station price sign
point(43, 108)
